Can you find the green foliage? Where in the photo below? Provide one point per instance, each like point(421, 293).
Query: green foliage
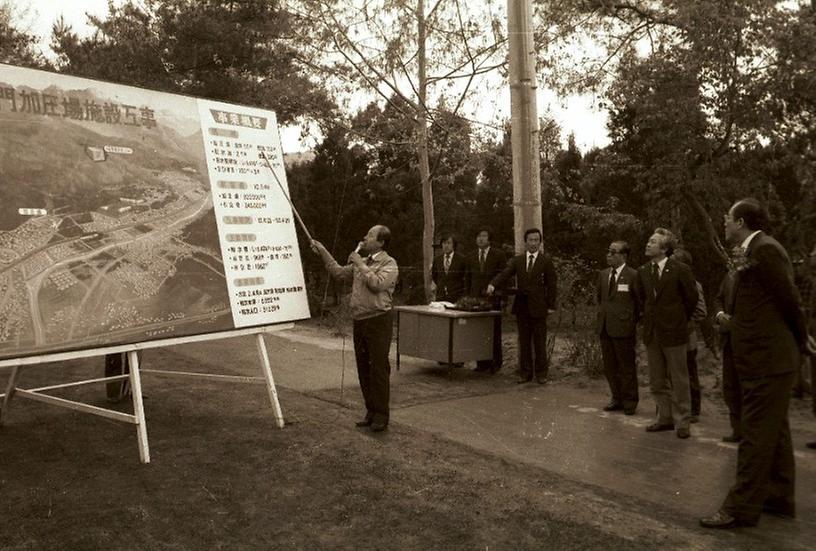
point(219, 49)
point(17, 47)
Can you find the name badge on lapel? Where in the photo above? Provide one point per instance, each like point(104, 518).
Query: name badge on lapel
point(623, 287)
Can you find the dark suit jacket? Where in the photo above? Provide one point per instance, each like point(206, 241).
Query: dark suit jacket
point(724, 302)
point(618, 313)
point(668, 303)
point(449, 286)
point(768, 327)
point(478, 276)
point(536, 291)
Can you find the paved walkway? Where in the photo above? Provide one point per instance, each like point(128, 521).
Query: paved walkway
point(557, 427)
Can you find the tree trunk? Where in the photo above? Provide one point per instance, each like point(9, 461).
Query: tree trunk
point(713, 236)
point(422, 153)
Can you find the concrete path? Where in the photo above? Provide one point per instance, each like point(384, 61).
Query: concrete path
point(558, 427)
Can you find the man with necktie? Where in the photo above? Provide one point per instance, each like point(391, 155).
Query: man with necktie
point(535, 298)
point(485, 264)
point(374, 279)
point(768, 334)
point(668, 294)
point(618, 312)
point(448, 271)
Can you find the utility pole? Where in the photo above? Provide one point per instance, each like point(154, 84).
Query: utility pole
point(524, 120)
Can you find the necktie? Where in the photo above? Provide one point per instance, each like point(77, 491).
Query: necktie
point(369, 261)
point(447, 262)
point(481, 259)
point(612, 281)
point(530, 259)
point(655, 272)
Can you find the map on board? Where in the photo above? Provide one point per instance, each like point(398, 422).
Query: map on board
point(129, 215)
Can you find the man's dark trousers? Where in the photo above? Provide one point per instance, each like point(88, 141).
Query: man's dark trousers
point(732, 394)
point(495, 363)
point(532, 332)
point(372, 342)
point(765, 464)
point(619, 369)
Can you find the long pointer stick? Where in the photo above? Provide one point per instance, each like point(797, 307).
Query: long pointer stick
point(280, 185)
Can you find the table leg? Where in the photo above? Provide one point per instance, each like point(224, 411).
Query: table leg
point(450, 346)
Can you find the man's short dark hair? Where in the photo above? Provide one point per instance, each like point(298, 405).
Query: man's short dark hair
point(669, 240)
point(623, 248)
point(531, 231)
point(487, 231)
point(682, 255)
point(384, 236)
point(752, 212)
point(445, 237)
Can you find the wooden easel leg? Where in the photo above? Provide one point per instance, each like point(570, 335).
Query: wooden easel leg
point(270, 381)
point(138, 406)
point(12, 384)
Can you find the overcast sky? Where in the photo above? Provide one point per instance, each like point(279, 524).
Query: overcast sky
point(574, 114)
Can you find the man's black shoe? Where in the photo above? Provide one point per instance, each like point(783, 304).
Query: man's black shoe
point(734, 438)
point(613, 406)
point(364, 423)
point(720, 519)
point(659, 427)
point(683, 433)
point(482, 368)
point(494, 369)
point(378, 426)
point(541, 380)
point(630, 411)
point(522, 380)
point(811, 445)
point(779, 508)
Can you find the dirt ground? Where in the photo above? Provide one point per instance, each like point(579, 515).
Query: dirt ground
point(224, 477)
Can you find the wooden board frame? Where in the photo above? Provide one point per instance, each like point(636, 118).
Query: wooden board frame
point(138, 416)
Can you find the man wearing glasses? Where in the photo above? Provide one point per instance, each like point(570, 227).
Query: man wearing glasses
point(618, 312)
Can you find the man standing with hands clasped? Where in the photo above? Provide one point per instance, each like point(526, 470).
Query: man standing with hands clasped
point(618, 312)
point(768, 334)
point(668, 294)
point(485, 264)
point(535, 298)
point(374, 279)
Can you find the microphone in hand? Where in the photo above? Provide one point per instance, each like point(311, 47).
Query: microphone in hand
point(354, 256)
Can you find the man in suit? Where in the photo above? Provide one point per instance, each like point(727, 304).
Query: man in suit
point(448, 271)
point(373, 281)
point(700, 314)
point(535, 298)
point(485, 264)
point(618, 311)
point(768, 334)
point(666, 289)
point(732, 394)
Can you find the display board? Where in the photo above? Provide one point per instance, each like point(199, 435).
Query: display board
point(129, 215)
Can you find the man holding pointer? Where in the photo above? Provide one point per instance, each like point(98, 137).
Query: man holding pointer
point(374, 279)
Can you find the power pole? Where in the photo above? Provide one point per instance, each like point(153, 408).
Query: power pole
point(524, 120)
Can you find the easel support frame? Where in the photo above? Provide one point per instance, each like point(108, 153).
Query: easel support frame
point(134, 376)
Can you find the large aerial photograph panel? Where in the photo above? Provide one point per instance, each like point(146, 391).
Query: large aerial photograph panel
point(108, 231)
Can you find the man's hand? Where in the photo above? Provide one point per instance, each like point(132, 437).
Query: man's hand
point(490, 289)
point(722, 318)
point(810, 346)
point(317, 247)
point(356, 259)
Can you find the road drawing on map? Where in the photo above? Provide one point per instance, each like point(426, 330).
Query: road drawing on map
point(107, 231)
